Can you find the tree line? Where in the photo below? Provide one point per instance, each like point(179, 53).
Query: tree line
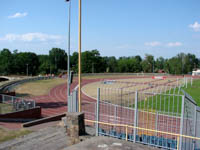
point(19, 63)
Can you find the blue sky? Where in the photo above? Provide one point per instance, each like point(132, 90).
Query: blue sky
point(114, 27)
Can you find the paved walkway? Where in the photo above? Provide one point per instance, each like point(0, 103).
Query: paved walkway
point(106, 143)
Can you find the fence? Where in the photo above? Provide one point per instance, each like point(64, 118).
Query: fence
point(162, 120)
point(73, 101)
point(162, 117)
point(10, 104)
point(169, 85)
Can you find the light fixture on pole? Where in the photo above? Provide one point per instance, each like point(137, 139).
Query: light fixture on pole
point(68, 60)
point(79, 58)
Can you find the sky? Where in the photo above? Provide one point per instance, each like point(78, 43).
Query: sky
point(114, 27)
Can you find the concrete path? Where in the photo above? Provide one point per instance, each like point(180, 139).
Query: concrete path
point(107, 143)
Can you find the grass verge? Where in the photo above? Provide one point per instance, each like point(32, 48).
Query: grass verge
point(10, 134)
point(5, 108)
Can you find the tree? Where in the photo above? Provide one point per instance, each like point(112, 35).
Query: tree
point(148, 63)
point(92, 62)
point(6, 62)
point(58, 59)
point(26, 59)
point(111, 64)
point(159, 64)
point(45, 66)
point(129, 64)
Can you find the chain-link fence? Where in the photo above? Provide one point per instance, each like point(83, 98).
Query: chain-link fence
point(10, 104)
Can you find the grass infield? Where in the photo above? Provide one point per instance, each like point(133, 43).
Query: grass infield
point(194, 90)
point(37, 88)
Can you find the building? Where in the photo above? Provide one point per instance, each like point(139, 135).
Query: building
point(196, 73)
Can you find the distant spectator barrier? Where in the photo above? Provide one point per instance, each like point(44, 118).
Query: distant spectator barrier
point(13, 104)
point(11, 85)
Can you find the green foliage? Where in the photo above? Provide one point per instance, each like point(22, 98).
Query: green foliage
point(58, 59)
point(45, 65)
point(92, 62)
point(129, 64)
point(5, 62)
point(194, 90)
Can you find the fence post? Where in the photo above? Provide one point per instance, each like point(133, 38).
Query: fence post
point(135, 115)
point(177, 82)
point(115, 113)
point(156, 125)
point(69, 103)
point(186, 82)
point(182, 119)
point(195, 123)
point(34, 104)
point(191, 81)
point(97, 113)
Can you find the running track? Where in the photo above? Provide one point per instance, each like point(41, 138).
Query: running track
point(55, 102)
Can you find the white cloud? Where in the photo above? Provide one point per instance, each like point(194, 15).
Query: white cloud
point(153, 44)
point(195, 26)
point(18, 15)
point(28, 37)
point(174, 44)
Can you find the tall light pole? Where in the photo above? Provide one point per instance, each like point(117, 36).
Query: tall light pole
point(79, 58)
point(68, 59)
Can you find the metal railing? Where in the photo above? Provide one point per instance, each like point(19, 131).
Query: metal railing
point(161, 117)
point(162, 120)
point(10, 104)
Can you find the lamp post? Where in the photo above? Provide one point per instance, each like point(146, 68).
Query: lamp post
point(79, 58)
point(68, 57)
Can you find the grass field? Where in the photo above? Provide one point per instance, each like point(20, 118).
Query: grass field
point(163, 103)
point(194, 91)
point(171, 103)
point(128, 86)
point(6, 135)
point(5, 108)
point(37, 88)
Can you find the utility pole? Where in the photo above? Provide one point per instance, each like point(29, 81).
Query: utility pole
point(68, 58)
point(79, 58)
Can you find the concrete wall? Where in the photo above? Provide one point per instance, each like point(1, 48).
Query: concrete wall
point(34, 113)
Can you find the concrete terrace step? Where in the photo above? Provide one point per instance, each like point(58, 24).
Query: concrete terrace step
point(52, 137)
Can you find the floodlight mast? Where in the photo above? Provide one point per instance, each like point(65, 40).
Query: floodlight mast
point(79, 58)
point(68, 58)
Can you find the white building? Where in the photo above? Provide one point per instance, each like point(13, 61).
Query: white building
point(196, 73)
